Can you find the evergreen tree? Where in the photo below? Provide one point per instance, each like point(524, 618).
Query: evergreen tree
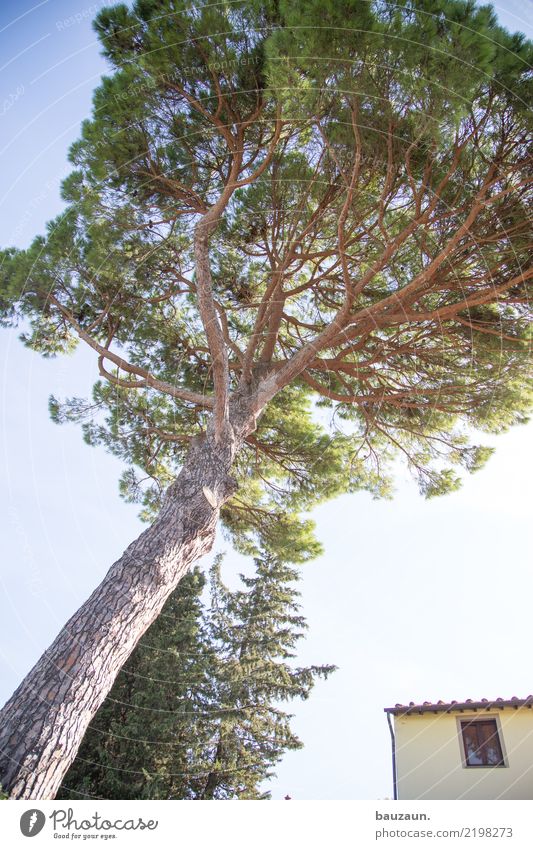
point(195, 712)
point(148, 737)
point(256, 631)
point(276, 206)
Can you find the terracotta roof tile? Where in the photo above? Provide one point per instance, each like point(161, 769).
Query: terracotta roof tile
point(468, 704)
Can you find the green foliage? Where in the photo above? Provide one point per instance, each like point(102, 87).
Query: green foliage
point(405, 85)
point(197, 711)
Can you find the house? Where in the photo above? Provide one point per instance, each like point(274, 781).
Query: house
point(463, 750)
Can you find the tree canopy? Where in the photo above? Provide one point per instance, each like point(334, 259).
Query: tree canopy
point(325, 201)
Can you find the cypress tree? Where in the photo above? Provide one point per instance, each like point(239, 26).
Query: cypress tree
point(146, 736)
point(197, 712)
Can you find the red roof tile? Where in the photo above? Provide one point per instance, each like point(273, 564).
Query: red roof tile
point(469, 704)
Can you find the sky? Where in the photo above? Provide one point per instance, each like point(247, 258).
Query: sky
point(413, 600)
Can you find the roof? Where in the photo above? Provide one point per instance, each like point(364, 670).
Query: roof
point(469, 704)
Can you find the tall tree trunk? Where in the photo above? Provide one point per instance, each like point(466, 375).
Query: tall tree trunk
point(42, 725)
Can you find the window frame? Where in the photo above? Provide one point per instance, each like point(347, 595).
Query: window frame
point(471, 719)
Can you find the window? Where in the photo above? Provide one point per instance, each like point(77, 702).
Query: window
point(481, 741)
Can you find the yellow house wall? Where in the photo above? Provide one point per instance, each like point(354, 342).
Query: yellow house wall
point(429, 757)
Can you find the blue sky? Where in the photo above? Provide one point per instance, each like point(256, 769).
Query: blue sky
point(396, 602)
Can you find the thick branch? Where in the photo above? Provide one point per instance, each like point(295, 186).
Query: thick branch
point(147, 378)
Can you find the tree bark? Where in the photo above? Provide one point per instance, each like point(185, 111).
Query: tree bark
point(43, 723)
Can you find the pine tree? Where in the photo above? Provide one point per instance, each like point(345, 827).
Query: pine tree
point(256, 630)
point(277, 208)
point(196, 711)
